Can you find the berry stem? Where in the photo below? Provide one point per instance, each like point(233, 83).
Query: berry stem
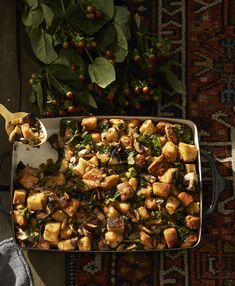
point(62, 5)
point(89, 55)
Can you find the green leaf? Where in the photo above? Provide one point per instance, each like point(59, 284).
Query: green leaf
point(122, 18)
point(32, 4)
point(120, 48)
point(42, 45)
point(102, 72)
point(48, 15)
point(105, 6)
point(137, 20)
point(85, 98)
point(32, 97)
point(77, 18)
point(106, 36)
point(32, 18)
point(170, 78)
point(37, 88)
point(68, 57)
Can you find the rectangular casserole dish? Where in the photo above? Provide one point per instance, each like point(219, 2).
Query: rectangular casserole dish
point(36, 156)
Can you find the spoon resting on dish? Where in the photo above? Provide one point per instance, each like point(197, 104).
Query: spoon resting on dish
point(23, 127)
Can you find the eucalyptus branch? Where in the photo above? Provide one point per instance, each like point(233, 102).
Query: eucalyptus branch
point(62, 5)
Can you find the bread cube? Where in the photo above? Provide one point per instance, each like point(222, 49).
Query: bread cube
point(19, 197)
point(109, 182)
point(161, 189)
point(172, 204)
point(155, 165)
point(190, 168)
point(192, 222)
point(116, 224)
point(84, 243)
point(187, 152)
point(66, 245)
point(171, 237)
point(133, 123)
point(147, 127)
point(122, 207)
point(51, 232)
point(113, 239)
point(59, 215)
point(193, 208)
point(147, 240)
point(170, 151)
point(89, 123)
point(96, 137)
point(82, 167)
point(111, 135)
point(126, 191)
point(36, 201)
point(145, 191)
point(190, 240)
point(19, 217)
point(72, 207)
point(185, 198)
point(160, 127)
point(94, 161)
point(168, 176)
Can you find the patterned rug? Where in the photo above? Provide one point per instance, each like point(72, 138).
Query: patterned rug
point(203, 36)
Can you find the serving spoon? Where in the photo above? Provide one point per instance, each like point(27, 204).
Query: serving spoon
point(9, 117)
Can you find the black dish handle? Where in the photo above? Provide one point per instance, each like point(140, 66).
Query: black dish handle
point(3, 210)
point(219, 182)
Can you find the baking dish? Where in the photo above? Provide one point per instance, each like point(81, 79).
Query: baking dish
point(34, 157)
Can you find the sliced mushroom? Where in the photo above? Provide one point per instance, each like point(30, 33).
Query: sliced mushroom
point(191, 180)
point(138, 147)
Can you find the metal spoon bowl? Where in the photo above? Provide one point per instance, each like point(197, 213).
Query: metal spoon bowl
point(9, 117)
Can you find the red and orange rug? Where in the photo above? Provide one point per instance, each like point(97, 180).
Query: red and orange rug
point(203, 38)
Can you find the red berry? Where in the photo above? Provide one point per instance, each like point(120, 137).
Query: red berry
point(81, 77)
point(49, 113)
point(152, 58)
point(93, 44)
point(90, 8)
point(62, 112)
point(127, 92)
point(99, 14)
point(110, 97)
point(73, 109)
point(137, 105)
point(74, 67)
point(66, 45)
point(70, 95)
point(137, 59)
point(109, 54)
point(146, 90)
point(138, 90)
point(81, 44)
point(90, 16)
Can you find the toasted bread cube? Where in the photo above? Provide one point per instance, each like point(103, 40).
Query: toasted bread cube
point(192, 222)
point(66, 245)
point(111, 135)
point(19, 217)
point(72, 207)
point(161, 189)
point(170, 151)
point(119, 124)
point(84, 243)
point(29, 177)
point(66, 233)
point(185, 198)
point(110, 211)
point(122, 207)
point(51, 232)
point(147, 240)
point(190, 240)
point(94, 161)
point(145, 191)
point(133, 123)
point(151, 204)
point(82, 167)
point(187, 152)
point(147, 127)
point(155, 165)
point(109, 182)
point(171, 237)
point(160, 127)
point(19, 197)
point(134, 183)
point(172, 204)
point(168, 176)
point(126, 191)
point(59, 215)
point(36, 201)
point(89, 123)
point(190, 168)
point(116, 224)
point(143, 212)
point(96, 137)
point(113, 239)
point(126, 141)
point(193, 208)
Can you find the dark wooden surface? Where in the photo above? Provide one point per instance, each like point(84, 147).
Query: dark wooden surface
point(16, 68)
